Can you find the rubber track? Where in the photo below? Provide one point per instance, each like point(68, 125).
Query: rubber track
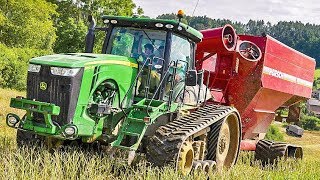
point(163, 148)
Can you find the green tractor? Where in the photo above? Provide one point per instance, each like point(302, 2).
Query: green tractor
point(127, 98)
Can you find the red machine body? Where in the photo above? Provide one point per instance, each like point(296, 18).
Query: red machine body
point(255, 74)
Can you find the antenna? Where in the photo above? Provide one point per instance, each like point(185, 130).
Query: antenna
point(194, 10)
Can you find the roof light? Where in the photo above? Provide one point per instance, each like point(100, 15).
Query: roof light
point(169, 26)
point(159, 25)
point(135, 15)
point(179, 28)
point(114, 21)
point(106, 21)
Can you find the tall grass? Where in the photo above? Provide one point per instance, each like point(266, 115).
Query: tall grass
point(73, 163)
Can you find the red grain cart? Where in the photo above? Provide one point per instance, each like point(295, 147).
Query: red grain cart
point(255, 74)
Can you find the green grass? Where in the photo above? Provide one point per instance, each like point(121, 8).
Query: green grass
point(317, 74)
point(76, 164)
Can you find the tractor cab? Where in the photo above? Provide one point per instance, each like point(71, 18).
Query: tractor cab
point(164, 51)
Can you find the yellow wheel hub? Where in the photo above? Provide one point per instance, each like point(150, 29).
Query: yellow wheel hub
point(185, 159)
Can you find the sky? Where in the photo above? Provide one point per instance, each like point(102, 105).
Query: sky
point(306, 11)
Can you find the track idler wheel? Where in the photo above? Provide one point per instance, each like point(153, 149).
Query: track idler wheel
point(270, 151)
point(185, 160)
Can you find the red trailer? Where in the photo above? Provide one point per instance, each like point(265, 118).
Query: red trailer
point(255, 74)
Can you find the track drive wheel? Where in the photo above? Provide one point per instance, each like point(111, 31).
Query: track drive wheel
point(224, 141)
point(185, 159)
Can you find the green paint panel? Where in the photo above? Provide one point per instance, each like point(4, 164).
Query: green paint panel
point(75, 60)
point(35, 106)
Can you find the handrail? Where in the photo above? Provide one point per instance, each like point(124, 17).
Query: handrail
point(173, 64)
point(160, 83)
point(133, 84)
point(148, 61)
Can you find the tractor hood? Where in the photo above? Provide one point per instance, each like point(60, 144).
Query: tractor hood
point(75, 60)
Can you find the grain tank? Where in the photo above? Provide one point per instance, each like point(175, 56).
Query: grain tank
point(255, 74)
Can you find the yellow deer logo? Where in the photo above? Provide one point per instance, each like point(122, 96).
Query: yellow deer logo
point(43, 86)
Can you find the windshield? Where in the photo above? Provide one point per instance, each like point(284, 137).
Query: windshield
point(137, 43)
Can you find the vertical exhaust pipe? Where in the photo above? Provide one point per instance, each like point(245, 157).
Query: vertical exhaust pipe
point(90, 35)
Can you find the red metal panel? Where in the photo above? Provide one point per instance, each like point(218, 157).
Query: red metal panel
point(283, 51)
point(283, 76)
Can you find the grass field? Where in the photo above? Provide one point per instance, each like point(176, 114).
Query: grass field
point(317, 73)
point(76, 164)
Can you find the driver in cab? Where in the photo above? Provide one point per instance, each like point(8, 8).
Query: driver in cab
point(148, 55)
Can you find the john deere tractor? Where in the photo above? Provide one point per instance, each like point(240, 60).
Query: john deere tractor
point(154, 104)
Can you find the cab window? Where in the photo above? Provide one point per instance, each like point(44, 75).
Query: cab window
point(181, 54)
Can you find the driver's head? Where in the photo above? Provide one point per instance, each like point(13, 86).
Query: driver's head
point(148, 49)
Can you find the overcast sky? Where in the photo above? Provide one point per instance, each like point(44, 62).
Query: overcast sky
point(306, 11)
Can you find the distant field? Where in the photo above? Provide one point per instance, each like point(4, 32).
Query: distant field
point(76, 164)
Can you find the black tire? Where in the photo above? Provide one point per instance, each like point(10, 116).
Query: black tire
point(28, 139)
point(268, 151)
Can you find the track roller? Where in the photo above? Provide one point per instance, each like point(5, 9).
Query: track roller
point(205, 166)
point(212, 165)
point(196, 166)
point(269, 151)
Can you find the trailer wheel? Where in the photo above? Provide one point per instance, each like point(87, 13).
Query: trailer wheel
point(28, 139)
point(269, 152)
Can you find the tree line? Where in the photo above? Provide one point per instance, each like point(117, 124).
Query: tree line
point(302, 37)
point(30, 28)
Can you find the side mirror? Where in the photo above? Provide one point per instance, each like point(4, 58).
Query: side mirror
point(191, 78)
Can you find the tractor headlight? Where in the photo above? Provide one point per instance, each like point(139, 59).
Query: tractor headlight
point(34, 68)
point(70, 130)
point(64, 71)
point(12, 120)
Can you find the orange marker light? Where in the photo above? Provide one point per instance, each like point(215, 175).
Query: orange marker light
point(180, 13)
